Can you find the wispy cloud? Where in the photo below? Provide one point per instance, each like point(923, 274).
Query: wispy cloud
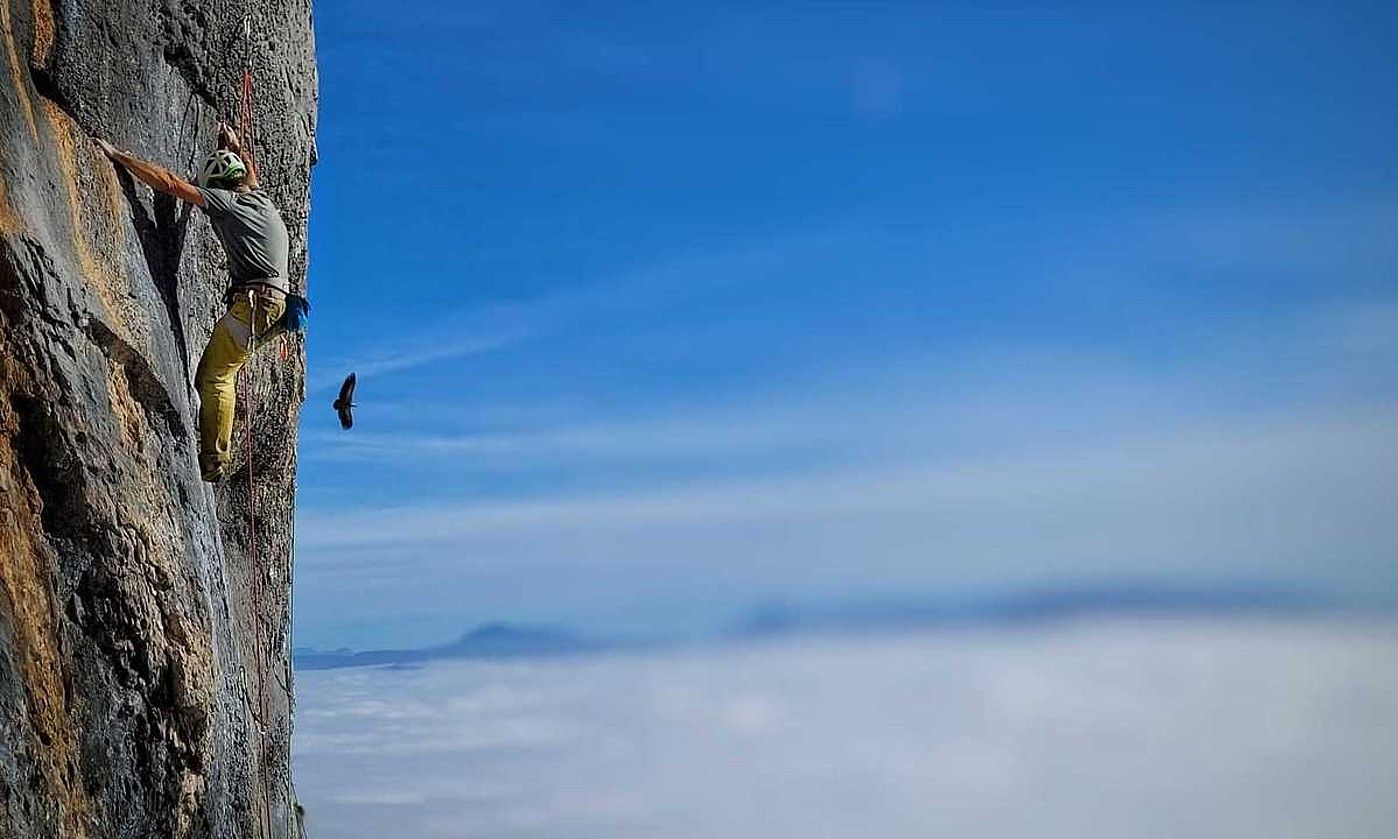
point(1261, 448)
point(913, 408)
point(410, 355)
point(640, 441)
point(1297, 496)
point(386, 347)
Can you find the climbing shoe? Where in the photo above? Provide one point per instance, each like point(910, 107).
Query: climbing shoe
point(212, 471)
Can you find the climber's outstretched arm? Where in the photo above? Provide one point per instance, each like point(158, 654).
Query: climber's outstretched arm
point(159, 178)
point(228, 139)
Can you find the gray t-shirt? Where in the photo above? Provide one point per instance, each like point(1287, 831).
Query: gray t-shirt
point(253, 234)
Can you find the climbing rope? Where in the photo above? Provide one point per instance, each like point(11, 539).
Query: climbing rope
point(246, 122)
point(259, 659)
point(247, 128)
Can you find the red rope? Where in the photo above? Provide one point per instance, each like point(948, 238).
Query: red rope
point(247, 127)
point(252, 485)
point(246, 124)
point(249, 412)
point(248, 132)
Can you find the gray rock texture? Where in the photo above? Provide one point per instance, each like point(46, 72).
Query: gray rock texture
point(145, 680)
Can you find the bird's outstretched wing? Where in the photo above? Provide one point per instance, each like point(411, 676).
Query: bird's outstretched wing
point(347, 390)
point(345, 404)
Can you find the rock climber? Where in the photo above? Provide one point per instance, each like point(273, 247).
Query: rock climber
point(255, 239)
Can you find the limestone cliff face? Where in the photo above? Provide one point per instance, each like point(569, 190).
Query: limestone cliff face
point(145, 685)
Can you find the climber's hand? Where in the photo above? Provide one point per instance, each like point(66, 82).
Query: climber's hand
point(105, 147)
point(227, 137)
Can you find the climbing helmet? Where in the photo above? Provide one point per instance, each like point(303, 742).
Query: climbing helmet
point(223, 169)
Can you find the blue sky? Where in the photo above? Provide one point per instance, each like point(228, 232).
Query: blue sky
point(660, 310)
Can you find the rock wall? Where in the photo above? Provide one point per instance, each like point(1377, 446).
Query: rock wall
point(145, 680)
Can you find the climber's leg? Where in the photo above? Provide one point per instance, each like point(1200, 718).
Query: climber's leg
point(269, 319)
point(216, 382)
point(217, 378)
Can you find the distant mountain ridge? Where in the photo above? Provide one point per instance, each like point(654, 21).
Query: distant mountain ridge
point(1028, 607)
point(488, 641)
point(888, 614)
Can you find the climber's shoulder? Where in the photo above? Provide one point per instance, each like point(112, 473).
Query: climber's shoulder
point(249, 205)
point(259, 195)
point(216, 202)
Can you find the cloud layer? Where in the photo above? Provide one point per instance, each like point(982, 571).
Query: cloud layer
point(1242, 731)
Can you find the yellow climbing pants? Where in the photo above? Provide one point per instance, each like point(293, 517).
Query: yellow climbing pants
point(229, 347)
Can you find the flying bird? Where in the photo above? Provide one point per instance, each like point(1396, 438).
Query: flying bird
point(343, 405)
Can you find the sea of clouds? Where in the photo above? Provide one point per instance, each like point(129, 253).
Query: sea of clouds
point(1123, 729)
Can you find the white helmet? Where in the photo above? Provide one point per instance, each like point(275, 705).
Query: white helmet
point(223, 169)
